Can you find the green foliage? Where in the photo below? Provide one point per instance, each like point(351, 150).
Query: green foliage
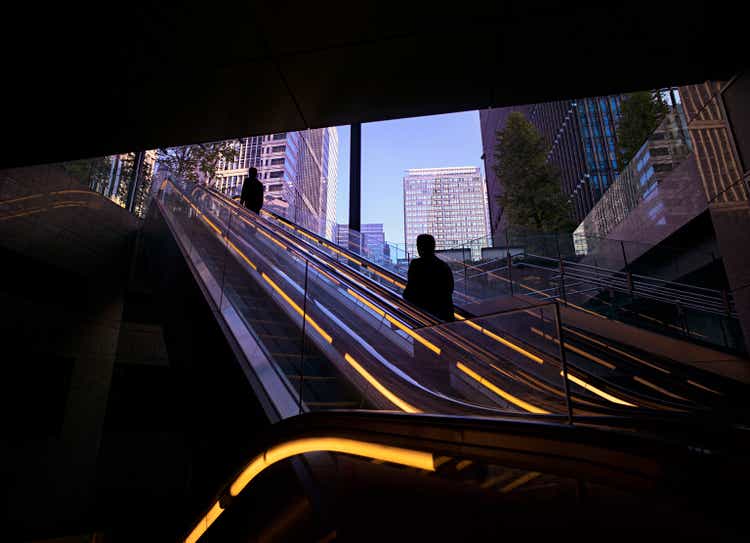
point(641, 113)
point(92, 171)
point(210, 156)
point(198, 162)
point(182, 162)
point(533, 197)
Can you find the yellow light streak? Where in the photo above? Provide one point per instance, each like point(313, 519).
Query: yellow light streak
point(463, 464)
point(440, 460)
point(502, 340)
point(244, 257)
point(297, 308)
point(704, 387)
point(384, 276)
point(522, 480)
point(575, 349)
point(618, 351)
point(277, 242)
point(21, 199)
point(434, 348)
point(332, 248)
point(398, 402)
point(25, 213)
point(396, 455)
point(209, 221)
point(657, 388)
point(368, 304)
point(204, 523)
point(329, 276)
point(505, 395)
point(598, 392)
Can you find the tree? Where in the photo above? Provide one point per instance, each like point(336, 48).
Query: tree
point(198, 162)
point(182, 162)
point(533, 198)
point(641, 113)
point(211, 155)
point(93, 171)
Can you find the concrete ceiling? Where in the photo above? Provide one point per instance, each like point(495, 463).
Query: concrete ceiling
point(90, 82)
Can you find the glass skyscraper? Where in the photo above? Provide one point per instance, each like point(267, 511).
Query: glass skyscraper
point(581, 136)
point(450, 204)
point(299, 173)
point(372, 241)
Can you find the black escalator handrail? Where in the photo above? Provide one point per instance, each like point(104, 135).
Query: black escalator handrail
point(658, 453)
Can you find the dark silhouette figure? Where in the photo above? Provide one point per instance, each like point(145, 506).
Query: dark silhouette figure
point(430, 284)
point(252, 192)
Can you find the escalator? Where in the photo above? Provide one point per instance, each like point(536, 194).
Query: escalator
point(486, 435)
point(385, 359)
point(394, 355)
point(619, 363)
point(361, 476)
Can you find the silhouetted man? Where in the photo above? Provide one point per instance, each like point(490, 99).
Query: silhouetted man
point(430, 284)
point(252, 192)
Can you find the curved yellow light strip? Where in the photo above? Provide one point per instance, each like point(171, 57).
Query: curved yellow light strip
point(385, 453)
point(598, 392)
point(398, 402)
point(499, 339)
point(506, 396)
point(204, 523)
point(297, 308)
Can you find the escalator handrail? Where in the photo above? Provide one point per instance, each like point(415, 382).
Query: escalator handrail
point(605, 453)
point(589, 376)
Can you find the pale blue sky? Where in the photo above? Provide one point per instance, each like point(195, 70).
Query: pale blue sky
point(391, 147)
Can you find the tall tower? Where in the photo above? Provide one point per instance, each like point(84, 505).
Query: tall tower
point(582, 139)
point(448, 203)
point(298, 171)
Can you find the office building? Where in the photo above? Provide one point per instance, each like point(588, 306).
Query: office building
point(450, 204)
point(639, 181)
point(372, 241)
point(582, 142)
point(298, 171)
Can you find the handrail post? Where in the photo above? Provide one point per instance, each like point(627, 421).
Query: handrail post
point(302, 346)
point(562, 270)
point(627, 268)
point(563, 361)
point(509, 260)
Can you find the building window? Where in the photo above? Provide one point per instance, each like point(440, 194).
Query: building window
point(278, 149)
point(280, 136)
point(276, 175)
point(276, 161)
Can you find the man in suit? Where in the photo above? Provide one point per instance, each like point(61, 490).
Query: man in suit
point(252, 192)
point(430, 281)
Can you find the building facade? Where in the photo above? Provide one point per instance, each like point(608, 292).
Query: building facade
point(717, 113)
point(298, 171)
point(581, 136)
point(640, 180)
point(448, 203)
point(372, 241)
